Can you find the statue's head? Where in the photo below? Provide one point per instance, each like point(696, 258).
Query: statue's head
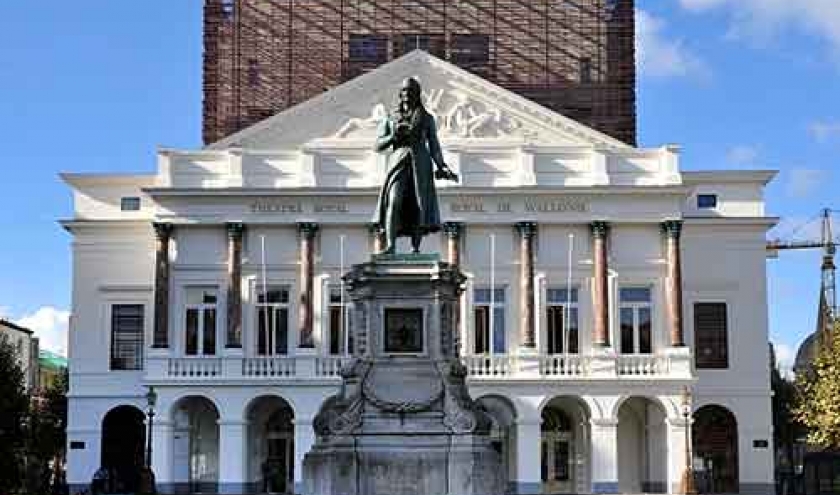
point(410, 93)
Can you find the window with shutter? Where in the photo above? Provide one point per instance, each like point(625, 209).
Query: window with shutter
point(710, 336)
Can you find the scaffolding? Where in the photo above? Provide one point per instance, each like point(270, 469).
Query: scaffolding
point(573, 56)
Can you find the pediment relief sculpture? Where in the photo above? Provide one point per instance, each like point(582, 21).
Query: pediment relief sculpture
point(457, 114)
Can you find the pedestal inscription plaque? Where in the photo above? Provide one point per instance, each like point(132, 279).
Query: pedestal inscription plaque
point(403, 331)
point(404, 422)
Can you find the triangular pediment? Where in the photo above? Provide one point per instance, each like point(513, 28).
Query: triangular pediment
point(467, 108)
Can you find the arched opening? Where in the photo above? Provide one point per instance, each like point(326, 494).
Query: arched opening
point(715, 441)
point(123, 440)
point(503, 431)
point(271, 448)
point(195, 445)
point(642, 447)
point(564, 448)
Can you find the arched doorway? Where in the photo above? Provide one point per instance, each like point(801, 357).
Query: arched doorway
point(642, 447)
point(123, 440)
point(715, 441)
point(271, 447)
point(195, 445)
point(503, 431)
point(564, 448)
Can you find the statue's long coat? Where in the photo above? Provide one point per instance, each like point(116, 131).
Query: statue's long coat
point(415, 154)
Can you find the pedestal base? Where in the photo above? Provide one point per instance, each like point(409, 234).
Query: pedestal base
point(404, 465)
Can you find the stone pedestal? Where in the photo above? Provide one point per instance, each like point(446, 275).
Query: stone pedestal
point(403, 423)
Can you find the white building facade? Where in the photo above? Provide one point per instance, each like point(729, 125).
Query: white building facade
point(602, 281)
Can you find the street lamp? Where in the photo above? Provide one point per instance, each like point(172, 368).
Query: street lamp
point(687, 485)
point(147, 478)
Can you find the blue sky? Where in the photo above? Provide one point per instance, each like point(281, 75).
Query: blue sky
point(97, 85)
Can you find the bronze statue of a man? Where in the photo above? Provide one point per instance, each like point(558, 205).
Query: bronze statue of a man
point(408, 204)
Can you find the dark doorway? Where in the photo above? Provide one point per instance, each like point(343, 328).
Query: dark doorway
point(123, 438)
point(715, 438)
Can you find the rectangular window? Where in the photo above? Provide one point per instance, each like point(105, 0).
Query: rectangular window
point(432, 43)
point(339, 318)
point(711, 336)
point(470, 50)
point(635, 320)
point(585, 70)
point(370, 48)
point(200, 322)
point(127, 337)
point(489, 313)
point(707, 201)
point(562, 321)
point(272, 320)
point(130, 203)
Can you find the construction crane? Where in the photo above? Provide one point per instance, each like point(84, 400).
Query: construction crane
point(828, 288)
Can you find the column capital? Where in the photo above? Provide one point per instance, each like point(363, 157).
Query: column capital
point(527, 228)
point(235, 229)
point(162, 230)
point(453, 230)
point(308, 229)
point(672, 228)
point(599, 229)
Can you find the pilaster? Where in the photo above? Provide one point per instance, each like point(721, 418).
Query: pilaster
point(528, 452)
point(307, 232)
point(160, 336)
point(527, 233)
point(232, 456)
point(604, 455)
point(454, 232)
point(672, 230)
point(601, 336)
point(234, 286)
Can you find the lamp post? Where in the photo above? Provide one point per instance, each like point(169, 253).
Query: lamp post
point(687, 484)
point(147, 478)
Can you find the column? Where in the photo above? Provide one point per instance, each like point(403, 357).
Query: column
point(232, 456)
point(528, 452)
point(604, 455)
point(527, 232)
point(162, 456)
point(601, 310)
point(234, 286)
point(676, 436)
point(453, 231)
point(307, 233)
point(163, 233)
point(376, 236)
point(672, 230)
point(304, 440)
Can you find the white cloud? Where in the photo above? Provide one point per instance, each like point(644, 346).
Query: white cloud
point(742, 155)
point(50, 326)
point(824, 131)
point(802, 182)
point(661, 57)
point(785, 357)
point(759, 21)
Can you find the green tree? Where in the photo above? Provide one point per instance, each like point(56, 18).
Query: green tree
point(786, 428)
point(13, 414)
point(818, 407)
point(46, 437)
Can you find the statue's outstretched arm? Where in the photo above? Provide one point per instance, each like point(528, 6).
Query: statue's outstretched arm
point(443, 170)
point(384, 136)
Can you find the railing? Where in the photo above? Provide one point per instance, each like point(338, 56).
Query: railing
point(272, 367)
point(484, 366)
point(194, 367)
point(642, 365)
point(563, 365)
point(329, 366)
point(668, 364)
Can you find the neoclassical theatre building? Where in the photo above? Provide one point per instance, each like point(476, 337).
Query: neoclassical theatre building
point(602, 282)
